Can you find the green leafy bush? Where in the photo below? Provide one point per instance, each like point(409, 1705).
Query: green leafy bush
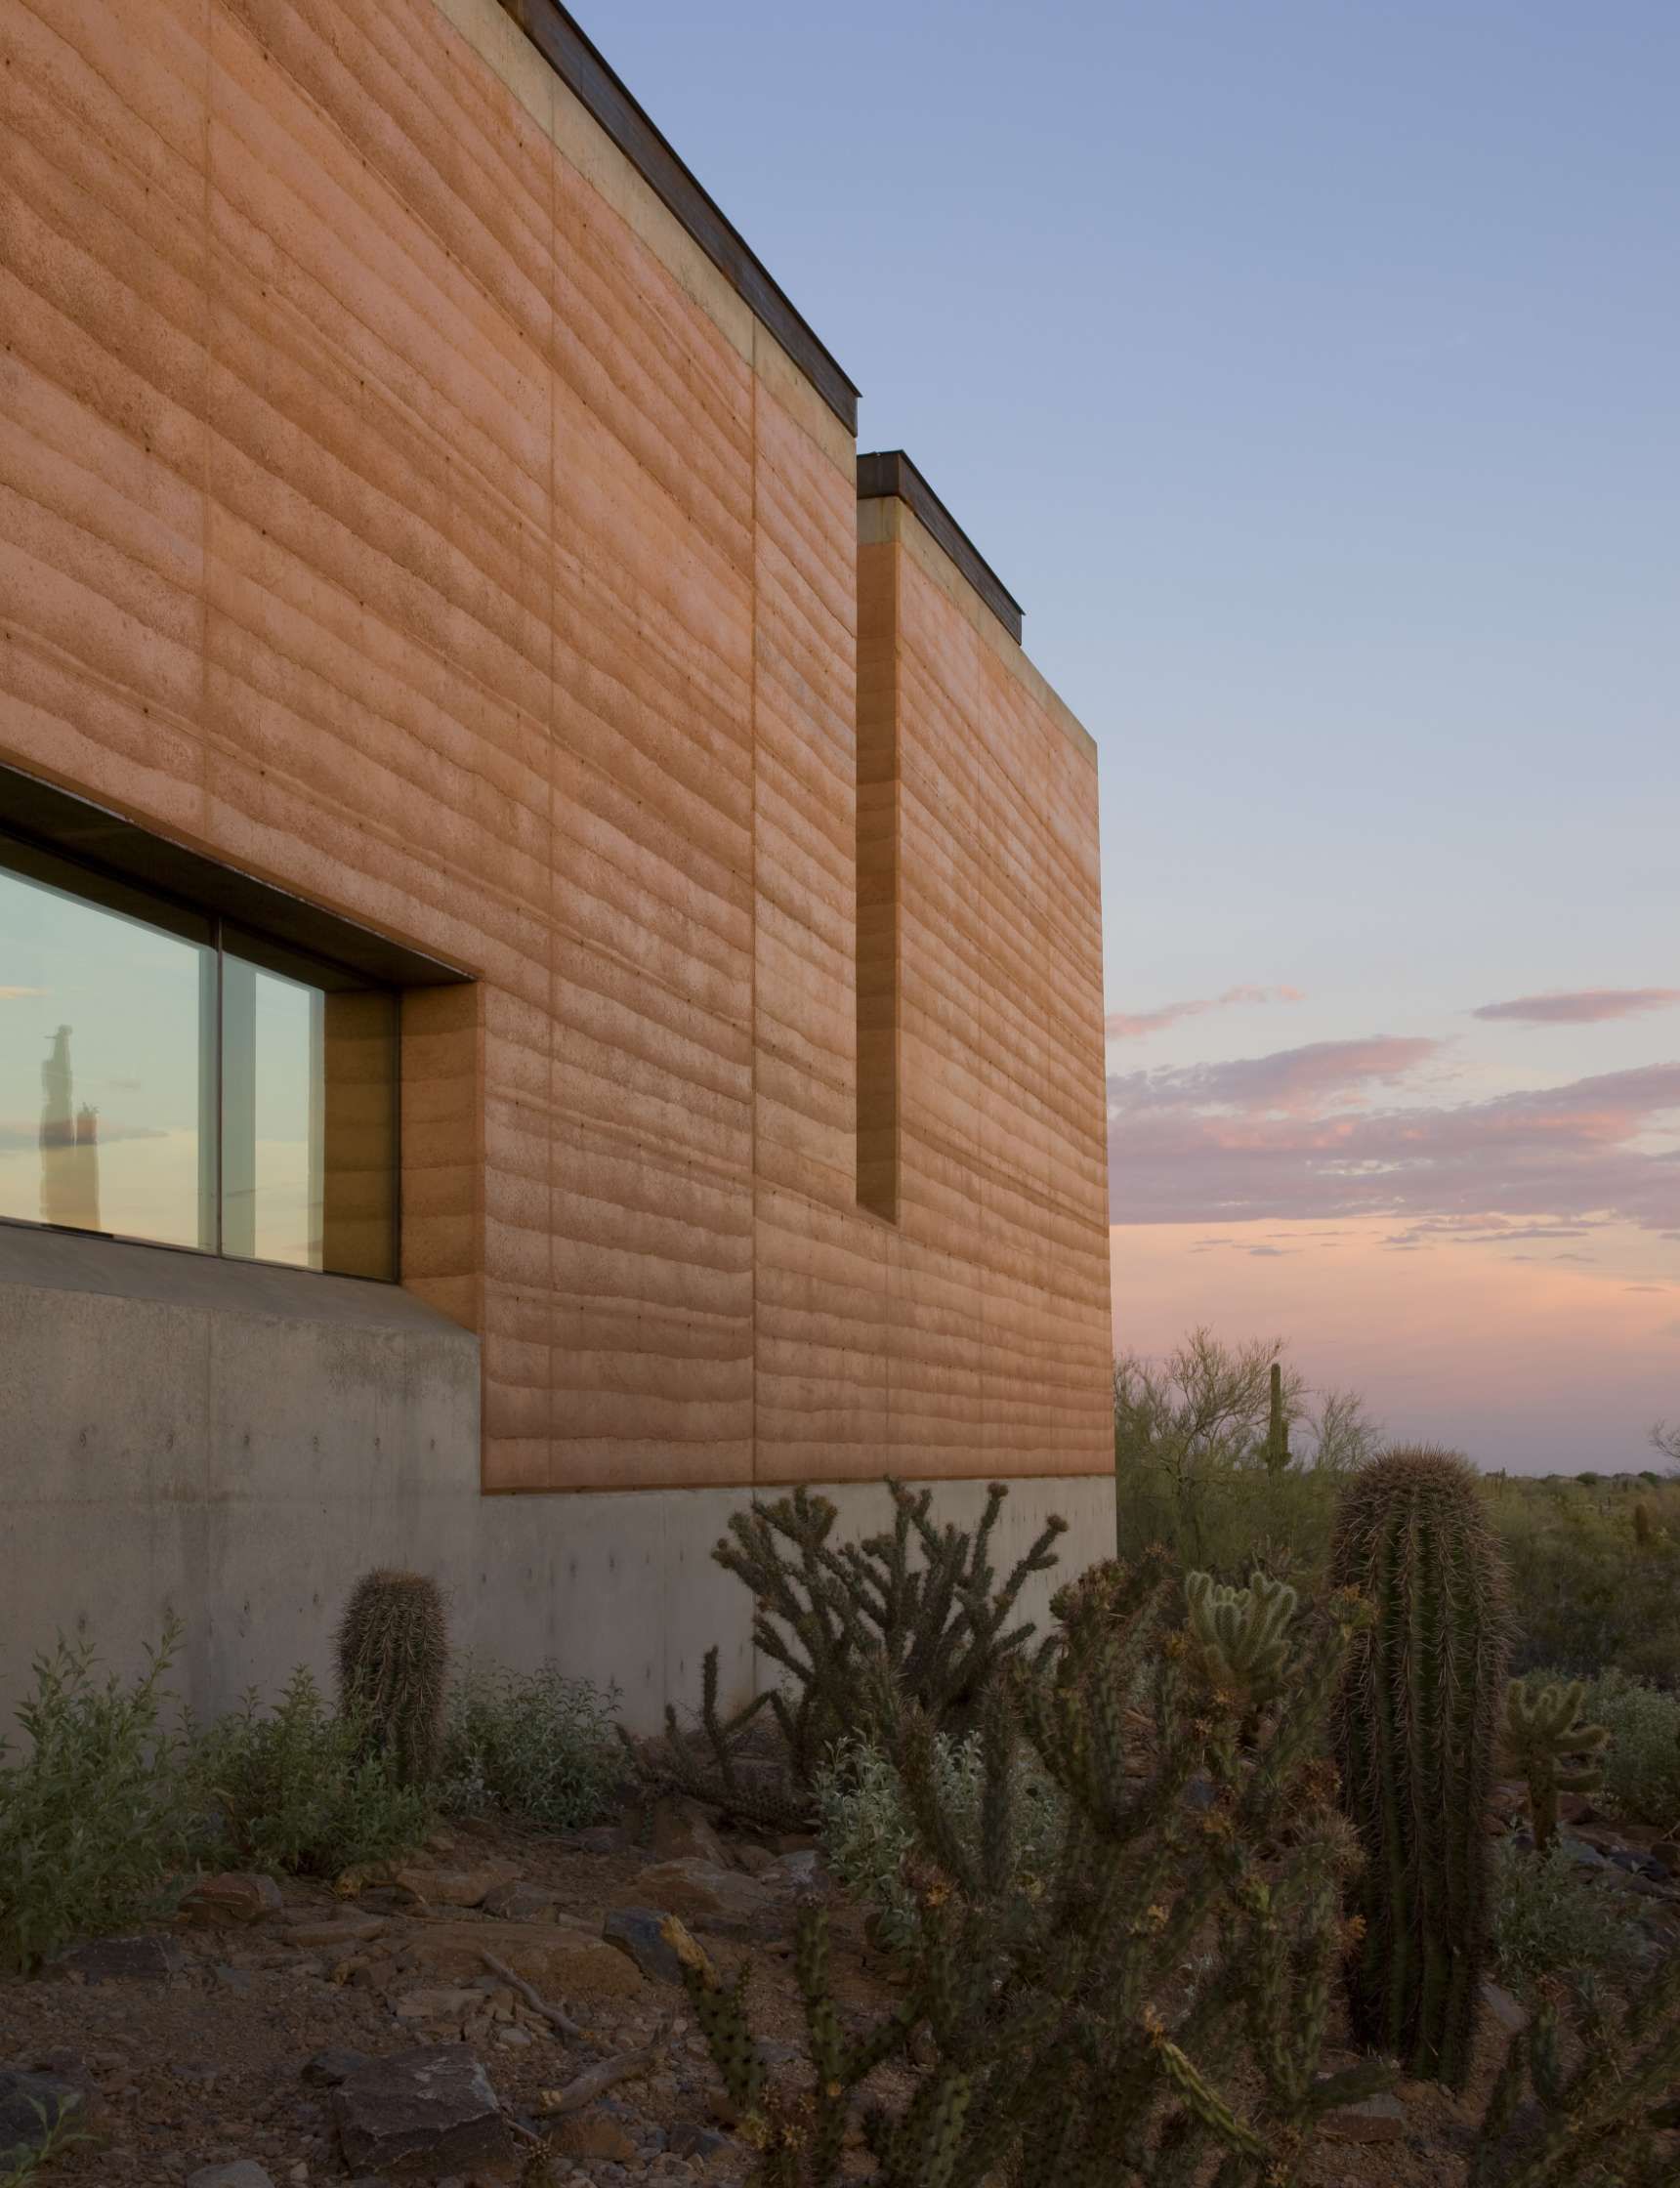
point(532, 1744)
point(99, 1813)
point(1553, 1918)
point(297, 1788)
point(868, 1835)
point(20, 2163)
point(1198, 1444)
point(1589, 1590)
point(1642, 1764)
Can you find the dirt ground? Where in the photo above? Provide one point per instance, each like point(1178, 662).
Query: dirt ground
point(210, 2062)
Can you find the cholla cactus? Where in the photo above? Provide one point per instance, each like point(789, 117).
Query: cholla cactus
point(917, 1610)
point(1055, 2042)
point(1414, 1732)
point(1543, 1731)
point(1613, 2117)
point(1239, 1638)
point(393, 1664)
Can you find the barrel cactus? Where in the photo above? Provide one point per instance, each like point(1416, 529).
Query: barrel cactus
point(393, 1662)
point(1415, 1729)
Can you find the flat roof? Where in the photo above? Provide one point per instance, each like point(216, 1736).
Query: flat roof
point(889, 471)
point(603, 93)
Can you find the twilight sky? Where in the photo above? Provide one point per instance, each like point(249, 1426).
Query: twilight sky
point(1312, 373)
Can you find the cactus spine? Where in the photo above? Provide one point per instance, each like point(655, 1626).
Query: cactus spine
point(1239, 1638)
point(1415, 1730)
point(1543, 1731)
point(392, 1662)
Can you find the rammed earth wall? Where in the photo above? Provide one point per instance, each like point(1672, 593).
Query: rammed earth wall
point(398, 504)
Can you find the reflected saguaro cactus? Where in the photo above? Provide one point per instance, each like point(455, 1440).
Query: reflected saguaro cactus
point(69, 1145)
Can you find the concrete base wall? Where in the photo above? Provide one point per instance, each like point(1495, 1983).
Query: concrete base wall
point(237, 1444)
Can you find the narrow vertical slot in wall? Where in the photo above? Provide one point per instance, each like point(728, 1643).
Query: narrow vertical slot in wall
point(878, 1026)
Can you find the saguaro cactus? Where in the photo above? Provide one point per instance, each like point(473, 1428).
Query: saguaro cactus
point(1545, 1740)
point(1415, 1730)
point(1276, 1452)
point(392, 1662)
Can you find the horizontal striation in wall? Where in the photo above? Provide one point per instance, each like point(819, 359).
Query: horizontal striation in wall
point(398, 504)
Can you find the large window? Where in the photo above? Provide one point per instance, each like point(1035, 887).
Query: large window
point(165, 1075)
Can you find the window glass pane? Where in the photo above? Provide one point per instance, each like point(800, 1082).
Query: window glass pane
point(106, 1056)
point(308, 1114)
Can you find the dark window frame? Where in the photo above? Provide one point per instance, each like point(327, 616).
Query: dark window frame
point(210, 915)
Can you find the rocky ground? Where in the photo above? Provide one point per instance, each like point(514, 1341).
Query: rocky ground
point(504, 2010)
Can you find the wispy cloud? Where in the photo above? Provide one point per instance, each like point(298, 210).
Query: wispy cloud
point(1299, 1081)
point(1134, 1025)
point(1296, 1135)
point(1580, 1006)
point(18, 994)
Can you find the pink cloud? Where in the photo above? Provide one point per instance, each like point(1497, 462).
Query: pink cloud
point(1132, 1025)
point(1583, 1006)
point(1292, 1135)
point(1548, 1366)
point(1299, 1081)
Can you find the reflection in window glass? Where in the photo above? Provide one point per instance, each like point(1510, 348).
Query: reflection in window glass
point(121, 1017)
point(104, 1028)
point(307, 1113)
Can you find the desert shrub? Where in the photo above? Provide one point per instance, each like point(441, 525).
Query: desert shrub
point(297, 1788)
point(532, 1744)
point(1202, 1439)
point(1589, 1592)
point(1225, 1518)
point(1056, 2040)
point(869, 1838)
point(22, 2162)
point(98, 1814)
point(1642, 1765)
point(1553, 1918)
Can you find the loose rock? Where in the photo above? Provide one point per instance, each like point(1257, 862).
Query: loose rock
point(455, 1887)
point(437, 2006)
point(430, 2112)
point(231, 1901)
point(519, 1902)
point(1376, 2119)
point(243, 2173)
point(1508, 2011)
point(682, 1831)
point(597, 1839)
point(563, 1960)
point(592, 2135)
point(639, 1934)
point(337, 1930)
point(328, 2067)
point(705, 1895)
point(122, 1959)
